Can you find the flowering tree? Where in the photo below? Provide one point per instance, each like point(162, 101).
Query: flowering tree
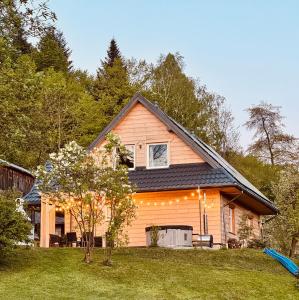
point(85, 184)
point(118, 191)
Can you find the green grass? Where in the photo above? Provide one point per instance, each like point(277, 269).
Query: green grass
point(145, 274)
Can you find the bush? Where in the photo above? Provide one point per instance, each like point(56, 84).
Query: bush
point(14, 225)
point(256, 244)
point(233, 244)
point(154, 234)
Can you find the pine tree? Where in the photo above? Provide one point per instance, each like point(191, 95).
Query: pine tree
point(113, 53)
point(112, 88)
point(53, 52)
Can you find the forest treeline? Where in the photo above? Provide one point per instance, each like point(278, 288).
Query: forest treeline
point(45, 102)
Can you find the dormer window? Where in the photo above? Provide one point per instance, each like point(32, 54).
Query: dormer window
point(129, 159)
point(157, 156)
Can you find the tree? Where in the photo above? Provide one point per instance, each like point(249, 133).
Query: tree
point(72, 185)
point(112, 88)
point(53, 52)
point(118, 191)
point(190, 104)
point(113, 53)
point(84, 185)
point(284, 228)
point(21, 19)
point(19, 87)
point(14, 225)
point(245, 230)
point(259, 173)
point(217, 128)
point(272, 144)
point(41, 111)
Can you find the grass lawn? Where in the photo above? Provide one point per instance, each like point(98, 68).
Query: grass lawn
point(145, 274)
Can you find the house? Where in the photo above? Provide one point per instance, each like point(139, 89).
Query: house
point(181, 181)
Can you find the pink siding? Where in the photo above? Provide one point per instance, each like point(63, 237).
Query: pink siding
point(141, 127)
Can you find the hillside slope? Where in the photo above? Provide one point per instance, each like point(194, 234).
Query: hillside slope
point(145, 274)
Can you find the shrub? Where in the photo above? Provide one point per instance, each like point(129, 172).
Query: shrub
point(257, 244)
point(154, 234)
point(14, 225)
point(233, 244)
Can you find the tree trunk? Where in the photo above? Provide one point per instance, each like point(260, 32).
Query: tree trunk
point(293, 246)
point(87, 254)
point(108, 259)
point(268, 143)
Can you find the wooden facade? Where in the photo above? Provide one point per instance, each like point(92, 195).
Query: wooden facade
point(140, 127)
point(13, 178)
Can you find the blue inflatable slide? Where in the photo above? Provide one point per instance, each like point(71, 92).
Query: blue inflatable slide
point(286, 262)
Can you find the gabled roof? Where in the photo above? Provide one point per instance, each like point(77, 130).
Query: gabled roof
point(208, 154)
point(34, 195)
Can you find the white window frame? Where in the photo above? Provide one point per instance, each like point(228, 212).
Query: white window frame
point(134, 155)
point(148, 152)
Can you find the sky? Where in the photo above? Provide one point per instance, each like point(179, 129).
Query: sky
point(246, 51)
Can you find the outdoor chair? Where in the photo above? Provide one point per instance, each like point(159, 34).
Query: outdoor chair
point(71, 237)
point(54, 240)
point(98, 241)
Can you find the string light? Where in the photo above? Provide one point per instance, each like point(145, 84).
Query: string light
point(185, 198)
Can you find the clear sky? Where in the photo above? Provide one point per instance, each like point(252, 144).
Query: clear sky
point(247, 51)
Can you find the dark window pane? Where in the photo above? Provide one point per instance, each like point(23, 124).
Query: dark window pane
point(128, 159)
point(158, 155)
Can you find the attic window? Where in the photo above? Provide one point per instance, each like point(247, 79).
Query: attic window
point(129, 159)
point(158, 156)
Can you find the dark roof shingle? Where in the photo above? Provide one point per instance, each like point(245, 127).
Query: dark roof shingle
point(181, 176)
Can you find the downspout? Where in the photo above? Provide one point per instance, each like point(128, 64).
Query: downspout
point(223, 214)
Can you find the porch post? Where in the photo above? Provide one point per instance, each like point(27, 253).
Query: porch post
point(47, 222)
point(44, 223)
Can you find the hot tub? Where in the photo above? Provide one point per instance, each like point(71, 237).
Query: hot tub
point(171, 236)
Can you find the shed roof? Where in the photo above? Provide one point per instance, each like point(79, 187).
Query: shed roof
point(15, 167)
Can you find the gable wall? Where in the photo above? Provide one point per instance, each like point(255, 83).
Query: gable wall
point(141, 127)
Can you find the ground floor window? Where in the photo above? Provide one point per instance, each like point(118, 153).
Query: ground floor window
point(231, 217)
